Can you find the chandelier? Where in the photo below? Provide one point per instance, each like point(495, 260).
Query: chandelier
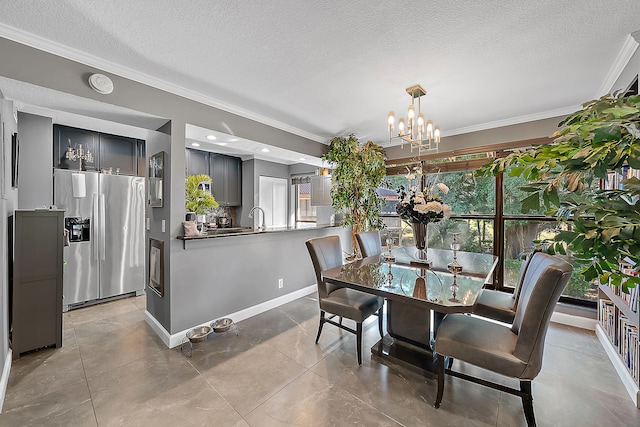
point(415, 131)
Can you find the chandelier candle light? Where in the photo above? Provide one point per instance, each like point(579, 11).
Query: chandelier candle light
point(78, 154)
point(417, 132)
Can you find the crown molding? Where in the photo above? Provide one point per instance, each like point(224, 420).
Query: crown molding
point(514, 120)
point(81, 57)
point(626, 52)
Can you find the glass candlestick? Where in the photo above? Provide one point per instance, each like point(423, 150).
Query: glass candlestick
point(455, 267)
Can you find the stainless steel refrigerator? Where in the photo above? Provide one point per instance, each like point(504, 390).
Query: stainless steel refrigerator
point(105, 218)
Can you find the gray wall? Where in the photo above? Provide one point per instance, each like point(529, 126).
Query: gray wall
point(36, 161)
point(8, 204)
point(630, 71)
point(228, 274)
point(160, 306)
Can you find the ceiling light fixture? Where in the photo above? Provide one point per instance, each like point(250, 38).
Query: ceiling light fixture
point(221, 143)
point(233, 140)
point(211, 137)
point(195, 144)
point(265, 150)
point(302, 159)
point(418, 133)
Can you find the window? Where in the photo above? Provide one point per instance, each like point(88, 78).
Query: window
point(490, 227)
point(304, 211)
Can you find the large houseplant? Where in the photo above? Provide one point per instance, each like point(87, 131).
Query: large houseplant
point(602, 137)
point(198, 200)
point(357, 174)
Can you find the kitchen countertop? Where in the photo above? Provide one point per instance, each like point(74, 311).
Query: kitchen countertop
point(244, 231)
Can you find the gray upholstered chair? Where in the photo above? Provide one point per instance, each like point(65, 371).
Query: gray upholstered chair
point(500, 305)
point(514, 351)
point(369, 243)
point(326, 253)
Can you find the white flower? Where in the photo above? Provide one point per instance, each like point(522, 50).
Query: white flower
point(446, 209)
point(411, 176)
point(418, 200)
point(421, 208)
point(434, 206)
point(443, 188)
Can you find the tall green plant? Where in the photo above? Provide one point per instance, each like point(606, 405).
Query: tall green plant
point(604, 136)
point(198, 200)
point(359, 171)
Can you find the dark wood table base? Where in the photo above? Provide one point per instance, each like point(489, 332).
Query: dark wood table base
point(405, 354)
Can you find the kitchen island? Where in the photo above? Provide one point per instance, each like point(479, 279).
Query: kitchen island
point(238, 275)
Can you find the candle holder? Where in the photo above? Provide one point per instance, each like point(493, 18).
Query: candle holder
point(455, 267)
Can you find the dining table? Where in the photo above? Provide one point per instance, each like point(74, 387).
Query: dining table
point(419, 291)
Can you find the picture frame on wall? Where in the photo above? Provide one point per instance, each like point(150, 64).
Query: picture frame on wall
point(156, 177)
point(156, 266)
point(15, 159)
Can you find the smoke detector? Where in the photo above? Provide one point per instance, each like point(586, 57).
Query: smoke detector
point(101, 84)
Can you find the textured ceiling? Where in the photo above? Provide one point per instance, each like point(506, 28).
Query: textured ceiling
point(328, 68)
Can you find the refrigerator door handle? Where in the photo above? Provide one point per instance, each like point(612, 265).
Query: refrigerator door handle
point(94, 225)
point(102, 228)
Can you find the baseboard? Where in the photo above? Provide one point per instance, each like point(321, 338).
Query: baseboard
point(4, 380)
point(576, 321)
point(174, 340)
point(621, 369)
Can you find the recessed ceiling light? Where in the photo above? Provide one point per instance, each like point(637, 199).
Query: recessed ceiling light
point(302, 159)
point(195, 144)
point(221, 143)
point(233, 140)
point(211, 137)
point(265, 150)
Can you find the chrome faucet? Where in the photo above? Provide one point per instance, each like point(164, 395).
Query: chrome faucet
point(264, 225)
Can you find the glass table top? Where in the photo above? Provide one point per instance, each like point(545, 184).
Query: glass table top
point(407, 279)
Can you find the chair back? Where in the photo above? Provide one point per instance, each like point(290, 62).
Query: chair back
point(544, 281)
point(523, 272)
point(326, 253)
point(369, 242)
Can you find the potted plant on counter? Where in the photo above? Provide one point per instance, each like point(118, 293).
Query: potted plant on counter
point(358, 172)
point(197, 199)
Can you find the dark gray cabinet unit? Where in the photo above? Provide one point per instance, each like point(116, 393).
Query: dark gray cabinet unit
point(120, 154)
point(197, 162)
point(225, 172)
point(36, 288)
point(64, 136)
point(226, 177)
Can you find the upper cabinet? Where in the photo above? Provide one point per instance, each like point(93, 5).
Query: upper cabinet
point(321, 190)
point(119, 154)
point(225, 172)
point(226, 177)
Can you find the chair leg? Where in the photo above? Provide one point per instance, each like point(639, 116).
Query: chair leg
point(440, 374)
point(380, 314)
point(340, 321)
point(359, 341)
point(527, 403)
point(320, 325)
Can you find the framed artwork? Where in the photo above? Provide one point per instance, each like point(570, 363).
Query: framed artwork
point(156, 266)
point(156, 175)
point(15, 157)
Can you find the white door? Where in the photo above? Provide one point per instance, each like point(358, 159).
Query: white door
point(273, 199)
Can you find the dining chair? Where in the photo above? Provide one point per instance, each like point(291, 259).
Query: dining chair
point(499, 305)
point(369, 242)
point(326, 253)
point(513, 351)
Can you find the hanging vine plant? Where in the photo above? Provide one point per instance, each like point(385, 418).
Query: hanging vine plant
point(358, 172)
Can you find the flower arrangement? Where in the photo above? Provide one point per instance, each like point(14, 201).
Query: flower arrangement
point(422, 206)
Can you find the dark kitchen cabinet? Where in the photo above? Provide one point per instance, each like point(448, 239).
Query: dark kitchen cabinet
point(65, 136)
point(141, 153)
point(226, 177)
point(109, 151)
point(197, 162)
point(36, 285)
point(119, 154)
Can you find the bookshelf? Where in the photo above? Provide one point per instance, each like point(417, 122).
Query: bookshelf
point(618, 314)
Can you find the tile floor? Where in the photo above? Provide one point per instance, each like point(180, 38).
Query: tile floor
point(114, 371)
